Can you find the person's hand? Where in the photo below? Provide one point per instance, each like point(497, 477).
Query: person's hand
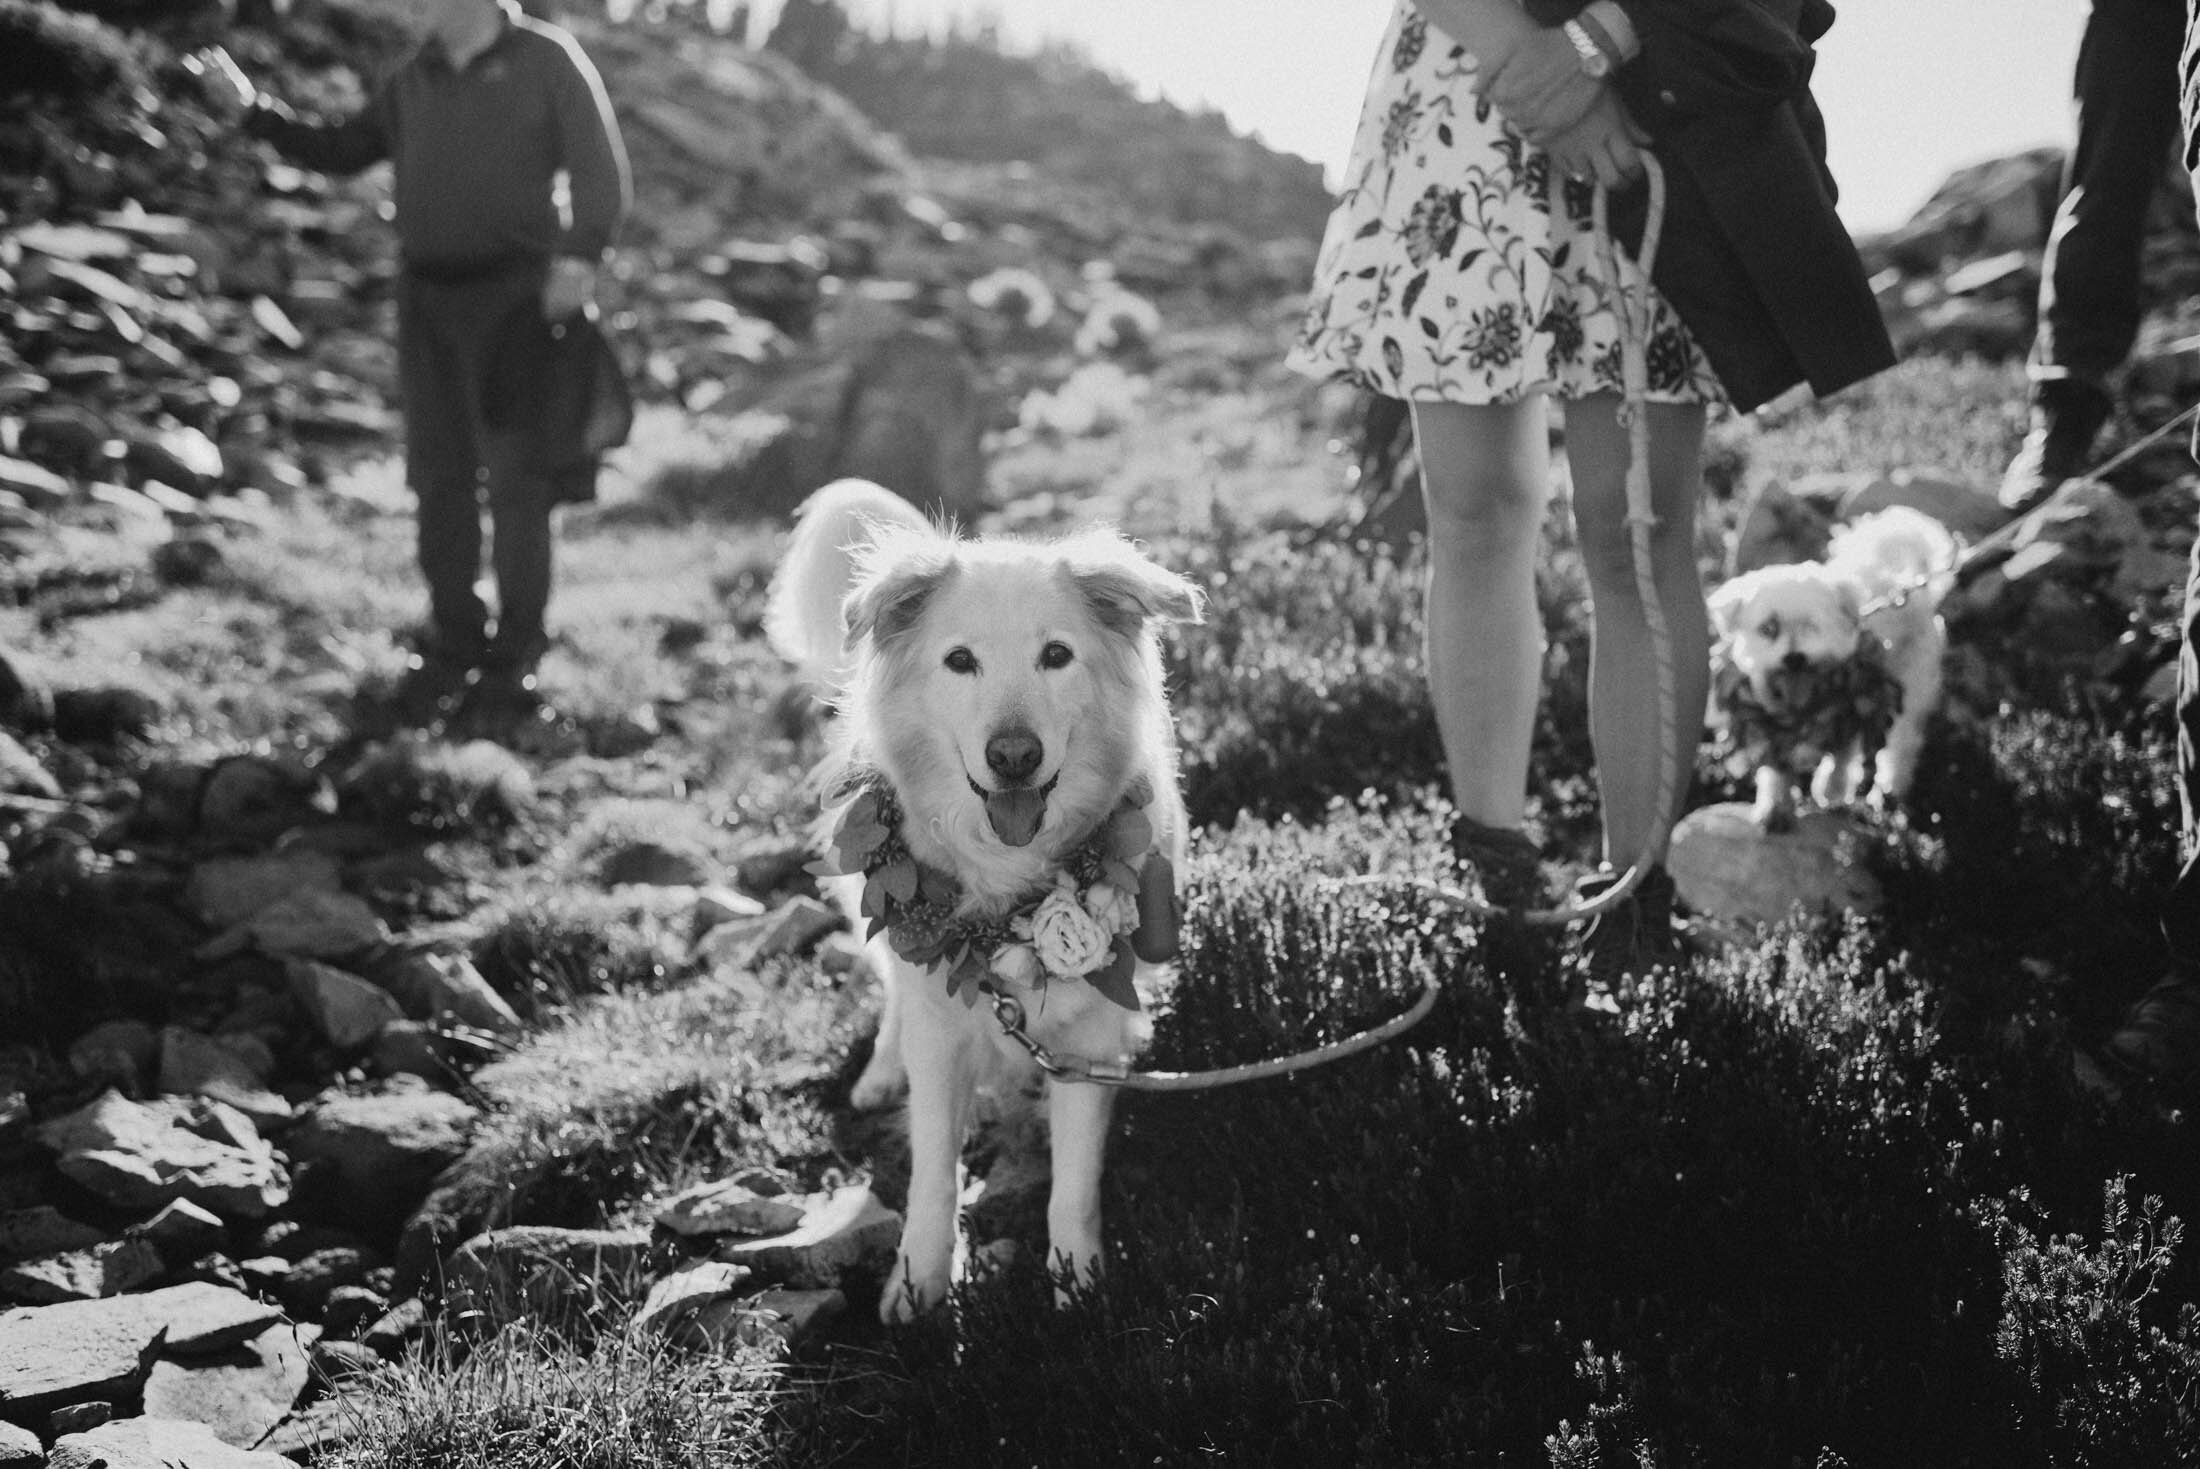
point(1540, 88)
point(570, 287)
point(1604, 147)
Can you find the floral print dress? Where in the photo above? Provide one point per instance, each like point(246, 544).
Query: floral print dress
point(1455, 267)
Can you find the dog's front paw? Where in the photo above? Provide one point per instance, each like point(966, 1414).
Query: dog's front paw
point(910, 1294)
point(883, 1083)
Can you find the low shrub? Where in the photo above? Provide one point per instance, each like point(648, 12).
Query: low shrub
point(2107, 1365)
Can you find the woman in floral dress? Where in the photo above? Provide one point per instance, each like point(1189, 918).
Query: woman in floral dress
point(1460, 273)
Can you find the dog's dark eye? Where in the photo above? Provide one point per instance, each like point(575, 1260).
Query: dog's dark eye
point(1056, 655)
point(1770, 630)
point(961, 660)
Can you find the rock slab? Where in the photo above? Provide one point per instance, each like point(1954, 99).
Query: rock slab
point(1726, 867)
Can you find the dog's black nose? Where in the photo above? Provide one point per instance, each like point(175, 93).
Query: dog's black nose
point(1014, 755)
point(1795, 662)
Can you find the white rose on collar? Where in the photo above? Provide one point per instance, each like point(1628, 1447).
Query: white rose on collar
point(1112, 908)
point(1018, 964)
point(1068, 940)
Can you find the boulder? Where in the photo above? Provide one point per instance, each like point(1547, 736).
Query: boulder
point(88, 1274)
point(312, 1279)
point(304, 925)
point(447, 987)
point(384, 1147)
point(184, 1231)
point(227, 891)
point(195, 1065)
point(552, 1274)
point(123, 1052)
point(754, 1201)
point(240, 1392)
point(43, 1230)
point(694, 1306)
point(344, 1010)
point(204, 1317)
point(85, 1351)
point(144, 1155)
point(20, 1448)
point(252, 799)
point(652, 863)
point(1727, 867)
point(843, 1234)
point(156, 1443)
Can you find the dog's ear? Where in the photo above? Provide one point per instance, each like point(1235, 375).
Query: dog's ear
point(1125, 589)
point(1726, 603)
point(1852, 601)
point(889, 597)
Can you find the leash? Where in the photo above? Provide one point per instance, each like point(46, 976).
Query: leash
point(1988, 545)
point(1635, 314)
point(1008, 1013)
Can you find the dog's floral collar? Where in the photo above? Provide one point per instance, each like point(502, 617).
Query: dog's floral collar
point(1111, 904)
point(1855, 701)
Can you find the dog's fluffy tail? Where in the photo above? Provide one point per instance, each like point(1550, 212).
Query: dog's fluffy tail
point(802, 615)
point(1898, 547)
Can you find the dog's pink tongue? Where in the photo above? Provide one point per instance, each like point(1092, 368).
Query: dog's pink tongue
point(1015, 815)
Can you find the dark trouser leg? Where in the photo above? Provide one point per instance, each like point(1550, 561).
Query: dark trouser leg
point(519, 509)
point(2126, 118)
point(442, 459)
point(2181, 910)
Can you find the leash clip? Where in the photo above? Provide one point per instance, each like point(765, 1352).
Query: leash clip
point(1008, 1013)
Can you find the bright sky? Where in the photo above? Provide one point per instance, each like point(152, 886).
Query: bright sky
point(1912, 89)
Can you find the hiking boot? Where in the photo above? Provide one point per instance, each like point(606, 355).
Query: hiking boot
point(2067, 414)
point(1505, 858)
point(433, 680)
point(503, 701)
point(2158, 1039)
point(1627, 941)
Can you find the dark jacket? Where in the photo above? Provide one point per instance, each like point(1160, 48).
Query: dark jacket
point(478, 152)
point(1753, 255)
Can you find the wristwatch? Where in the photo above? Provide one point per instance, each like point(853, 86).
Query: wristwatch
point(1593, 59)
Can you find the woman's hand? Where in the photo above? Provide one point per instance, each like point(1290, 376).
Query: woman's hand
point(1605, 145)
point(1540, 88)
point(569, 287)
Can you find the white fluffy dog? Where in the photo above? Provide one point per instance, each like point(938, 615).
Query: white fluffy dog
point(1004, 812)
point(1830, 670)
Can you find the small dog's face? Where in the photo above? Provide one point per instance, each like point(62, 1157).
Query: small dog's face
point(1016, 687)
point(1783, 626)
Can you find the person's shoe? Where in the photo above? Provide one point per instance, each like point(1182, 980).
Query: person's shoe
point(434, 680)
point(2158, 1039)
point(503, 701)
point(1505, 858)
point(2067, 414)
point(1628, 941)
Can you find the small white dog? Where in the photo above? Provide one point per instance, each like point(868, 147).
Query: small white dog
point(1821, 667)
point(1004, 813)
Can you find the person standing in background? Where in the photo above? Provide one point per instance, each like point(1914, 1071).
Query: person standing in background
point(2157, 1041)
point(2089, 301)
point(482, 123)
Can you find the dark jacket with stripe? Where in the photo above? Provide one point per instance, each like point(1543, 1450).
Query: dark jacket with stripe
point(1753, 256)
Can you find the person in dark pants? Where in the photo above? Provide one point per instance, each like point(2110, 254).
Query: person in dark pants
point(479, 122)
point(2159, 1036)
point(2126, 98)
